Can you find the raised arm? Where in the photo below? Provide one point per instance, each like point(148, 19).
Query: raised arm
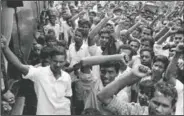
point(169, 33)
point(106, 95)
point(12, 58)
point(95, 31)
point(171, 71)
point(163, 31)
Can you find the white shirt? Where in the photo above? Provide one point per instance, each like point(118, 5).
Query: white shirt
point(95, 50)
point(158, 49)
point(76, 56)
point(51, 93)
point(56, 28)
point(179, 104)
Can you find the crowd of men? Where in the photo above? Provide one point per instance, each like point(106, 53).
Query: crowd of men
point(104, 58)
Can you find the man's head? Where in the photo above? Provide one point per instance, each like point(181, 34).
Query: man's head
point(78, 38)
point(179, 37)
point(127, 49)
point(135, 44)
point(146, 56)
point(163, 100)
point(52, 18)
point(45, 55)
point(117, 11)
point(147, 32)
point(160, 64)
point(108, 71)
point(147, 43)
point(58, 58)
point(92, 15)
point(83, 23)
point(136, 33)
point(105, 36)
point(37, 49)
point(146, 92)
point(50, 40)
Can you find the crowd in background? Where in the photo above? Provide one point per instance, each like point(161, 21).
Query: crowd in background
point(104, 58)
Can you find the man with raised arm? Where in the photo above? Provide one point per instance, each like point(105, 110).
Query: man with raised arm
point(52, 84)
point(161, 103)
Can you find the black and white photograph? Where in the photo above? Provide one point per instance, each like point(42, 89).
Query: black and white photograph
point(92, 57)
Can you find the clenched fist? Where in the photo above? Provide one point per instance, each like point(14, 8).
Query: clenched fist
point(141, 71)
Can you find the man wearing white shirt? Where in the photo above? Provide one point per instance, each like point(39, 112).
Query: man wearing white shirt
point(52, 84)
point(53, 25)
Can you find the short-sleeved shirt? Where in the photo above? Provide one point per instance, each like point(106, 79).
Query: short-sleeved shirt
point(51, 93)
point(76, 56)
point(119, 107)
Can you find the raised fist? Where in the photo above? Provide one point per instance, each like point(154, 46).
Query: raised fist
point(141, 71)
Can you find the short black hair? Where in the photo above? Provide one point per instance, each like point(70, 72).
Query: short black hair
point(148, 27)
point(147, 84)
point(104, 30)
point(162, 59)
point(58, 50)
point(167, 90)
point(115, 64)
point(148, 50)
point(134, 40)
point(49, 37)
point(81, 22)
point(151, 41)
point(45, 52)
point(127, 47)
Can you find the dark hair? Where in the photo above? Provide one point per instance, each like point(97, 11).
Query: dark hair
point(41, 40)
point(83, 31)
point(151, 41)
point(91, 111)
point(167, 90)
point(49, 37)
point(148, 50)
point(81, 22)
point(162, 59)
point(115, 64)
point(58, 50)
point(127, 47)
point(148, 84)
point(51, 31)
point(45, 52)
point(149, 29)
point(104, 30)
point(134, 40)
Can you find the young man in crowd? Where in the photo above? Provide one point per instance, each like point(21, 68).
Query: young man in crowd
point(162, 103)
point(51, 98)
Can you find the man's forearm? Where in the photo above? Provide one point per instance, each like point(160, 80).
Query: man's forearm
point(98, 27)
point(106, 95)
point(163, 39)
point(172, 69)
point(161, 33)
point(96, 60)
